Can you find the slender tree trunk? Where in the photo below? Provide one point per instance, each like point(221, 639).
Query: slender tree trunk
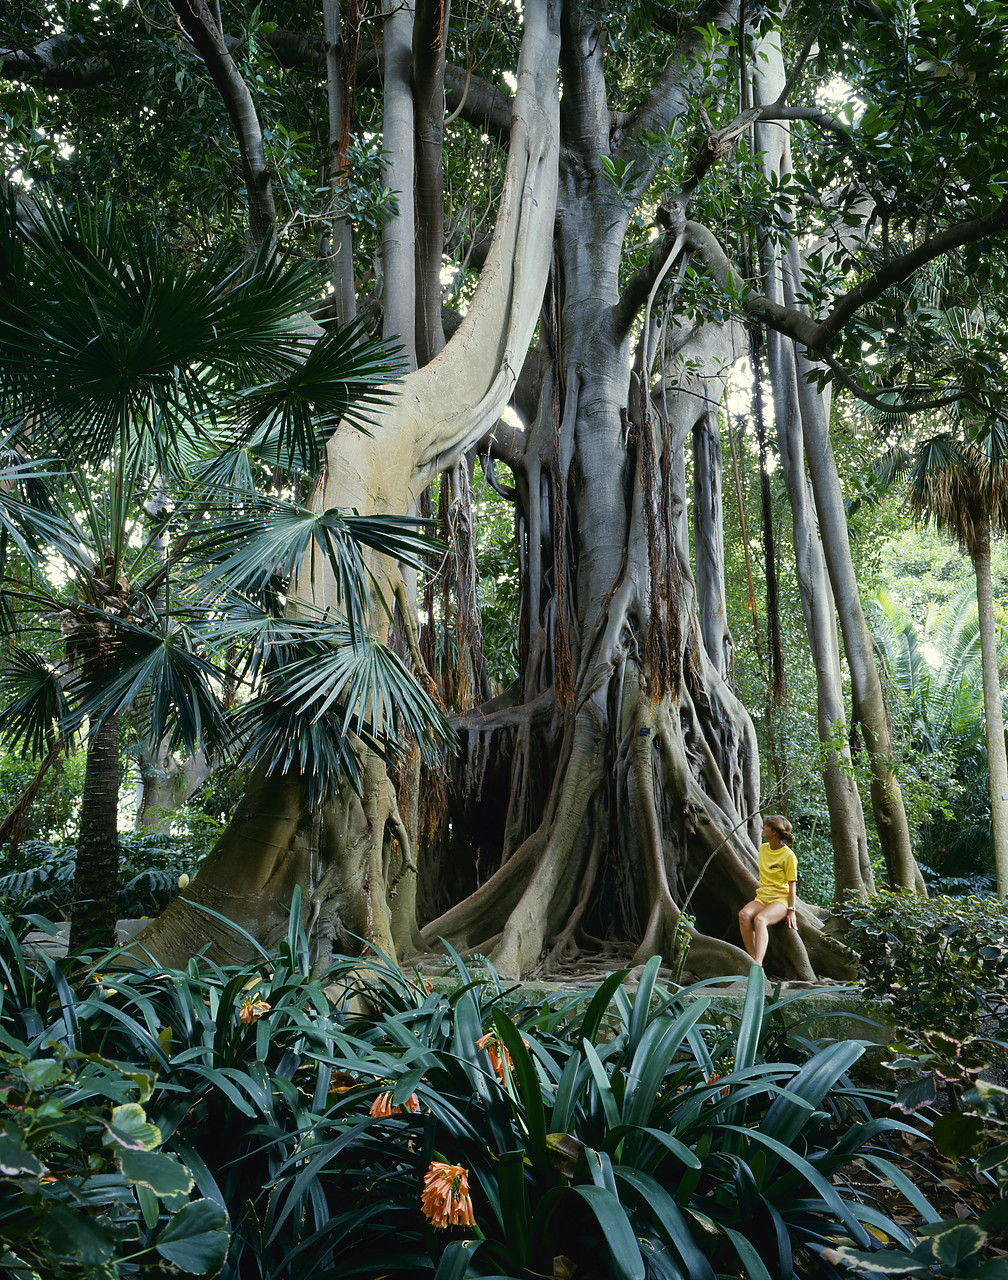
point(980, 553)
point(201, 25)
point(851, 867)
point(708, 540)
point(397, 140)
point(96, 881)
point(866, 688)
point(338, 67)
point(429, 35)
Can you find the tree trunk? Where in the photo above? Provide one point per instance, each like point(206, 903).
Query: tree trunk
point(353, 855)
point(980, 554)
point(429, 35)
point(398, 232)
point(96, 879)
point(165, 784)
point(851, 867)
point(338, 68)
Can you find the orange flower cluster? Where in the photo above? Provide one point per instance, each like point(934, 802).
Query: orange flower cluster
point(500, 1059)
point(445, 1197)
point(382, 1106)
point(716, 1076)
point(252, 1010)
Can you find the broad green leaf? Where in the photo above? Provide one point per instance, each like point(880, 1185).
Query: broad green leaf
point(163, 1174)
point(196, 1239)
point(130, 1128)
point(16, 1159)
point(78, 1235)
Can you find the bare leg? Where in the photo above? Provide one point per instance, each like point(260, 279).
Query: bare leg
point(745, 919)
point(772, 913)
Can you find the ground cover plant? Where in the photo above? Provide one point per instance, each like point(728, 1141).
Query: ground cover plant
point(354, 1122)
point(939, 963)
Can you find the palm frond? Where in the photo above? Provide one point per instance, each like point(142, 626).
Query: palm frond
point(159, 671)
point(33, 705)
point(343, 375)
point(246, 551)
point(323, 689)
point(108, 338)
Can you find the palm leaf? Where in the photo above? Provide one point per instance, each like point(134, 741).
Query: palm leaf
point(341, 375)
point(246, 551)
point(34, 705)
point(159, 671)
point(322, 690)
point(128, 338)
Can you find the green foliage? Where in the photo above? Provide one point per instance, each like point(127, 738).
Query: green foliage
point(42, 880)
point(86, 1190)
point(974, 1134)
point(56, 801)
point(940, 963)
point(636, 1136)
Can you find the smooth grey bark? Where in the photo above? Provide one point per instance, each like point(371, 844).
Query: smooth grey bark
point(429, 35)
point(708, 539)
point(647, 752)
point(997, 763)
point(866, 688)
point(352, 855)
point(341, 236)
point(398, 259)
point(851, 867)
point(165, 784)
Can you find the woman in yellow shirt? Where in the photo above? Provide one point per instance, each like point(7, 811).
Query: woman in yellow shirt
point(778, 883)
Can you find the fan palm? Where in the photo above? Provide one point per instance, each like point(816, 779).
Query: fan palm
point(131, 366)
point(943, 703)
point(962, 487)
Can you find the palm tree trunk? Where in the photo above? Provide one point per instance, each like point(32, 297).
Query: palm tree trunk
point(96, 878)
point(998, 765)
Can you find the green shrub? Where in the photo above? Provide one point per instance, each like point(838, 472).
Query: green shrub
point(149, 868)
point(85, 1191)
point(635, 1137)
point(940, 963)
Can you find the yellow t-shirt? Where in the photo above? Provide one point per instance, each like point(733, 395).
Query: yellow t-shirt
point(777, 867)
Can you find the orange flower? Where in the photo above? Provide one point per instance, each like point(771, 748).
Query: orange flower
point(716, 1076)
point(382, 1106)
point(500, 1059)
point(445, 1197)
point(252, 1010)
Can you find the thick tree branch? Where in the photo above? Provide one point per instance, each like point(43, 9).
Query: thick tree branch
point(51, 64)
point(777, 111)
point(201, 28)
point(897, 269)
point(915, 406)
point(482, 105)
point(668, 97)
point(817, 336)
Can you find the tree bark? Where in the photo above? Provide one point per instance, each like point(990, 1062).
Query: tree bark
point(341, 246)
point(356, 852)
point(399, 289)
point(165, 785)
point(980, 554)
point(96, 879)
point(201, 27)
point(851, 867)
point(429, 36)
